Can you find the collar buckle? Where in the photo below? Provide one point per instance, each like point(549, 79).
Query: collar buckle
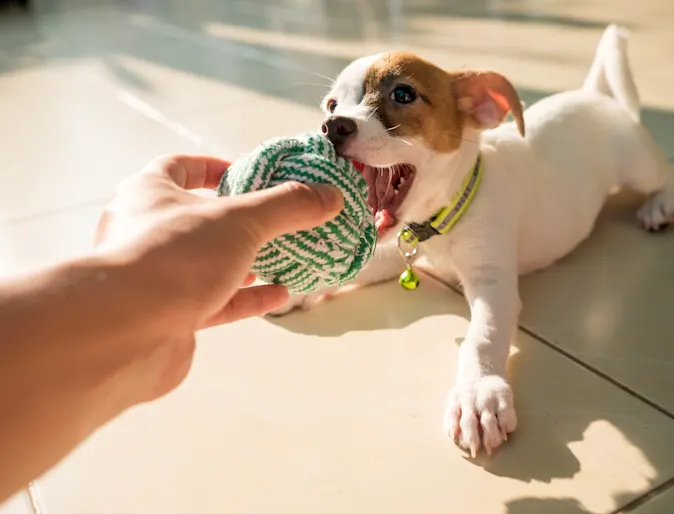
point(420, 232)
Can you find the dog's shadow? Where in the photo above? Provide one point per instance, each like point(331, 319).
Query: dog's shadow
point(539, 455)
point(378, 307)
point(558, 403)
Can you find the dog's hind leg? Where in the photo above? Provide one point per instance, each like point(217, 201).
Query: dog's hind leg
point(643, 166)
point(611, 74)
point(658, 210)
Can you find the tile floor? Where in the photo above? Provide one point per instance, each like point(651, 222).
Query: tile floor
point(334, 411)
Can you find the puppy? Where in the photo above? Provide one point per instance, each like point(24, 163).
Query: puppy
point(416, 132)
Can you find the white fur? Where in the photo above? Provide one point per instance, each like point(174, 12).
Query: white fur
point(539, 198)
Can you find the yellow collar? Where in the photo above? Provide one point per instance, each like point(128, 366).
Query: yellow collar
point(443, 220)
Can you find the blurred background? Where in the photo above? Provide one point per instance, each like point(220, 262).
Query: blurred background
point(98, 81)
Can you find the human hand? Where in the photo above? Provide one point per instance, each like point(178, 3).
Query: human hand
point(190, 255)
point(99, 333)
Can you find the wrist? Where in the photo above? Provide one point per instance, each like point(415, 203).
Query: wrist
point(78, 322)
point(72, 313)
point(70, 349)
point(480, 357)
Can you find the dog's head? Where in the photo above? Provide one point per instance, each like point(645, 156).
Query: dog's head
point(400, 119)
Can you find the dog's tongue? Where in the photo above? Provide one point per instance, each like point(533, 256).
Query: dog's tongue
point(384, 220)
point(378, 193)
point(359, 166)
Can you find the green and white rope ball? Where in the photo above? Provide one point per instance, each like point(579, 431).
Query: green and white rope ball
point(329, 255)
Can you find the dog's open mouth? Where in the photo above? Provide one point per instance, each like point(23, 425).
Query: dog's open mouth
point(387, 188)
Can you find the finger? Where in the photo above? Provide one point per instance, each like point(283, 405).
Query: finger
point(190, 171)
point(249, 302)
point(289, 207)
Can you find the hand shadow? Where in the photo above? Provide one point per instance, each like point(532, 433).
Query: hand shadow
point(378, 307)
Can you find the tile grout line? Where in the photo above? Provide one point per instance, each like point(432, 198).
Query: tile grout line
point(36, 503)
point(596, 371)
point(153, 114)
point(645, 498)
point(552, 346)
point(53, 212)
point(648, 495)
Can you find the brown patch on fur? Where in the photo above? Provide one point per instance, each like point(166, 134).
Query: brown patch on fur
point(476, 90)
point(434, 117)
point(441, 112)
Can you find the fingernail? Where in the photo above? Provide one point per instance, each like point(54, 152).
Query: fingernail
point(331, 196)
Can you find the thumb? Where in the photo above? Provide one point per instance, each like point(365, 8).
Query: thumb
point(289, 207)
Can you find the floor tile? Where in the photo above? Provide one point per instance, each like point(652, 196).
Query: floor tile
point(85, 167)
point(82, 121)
point(455, 34)
point(609, 303)
point(233, 130)
point(312, 414)
point(176, 67)
point(17, 504)
point(661, 504)
point(44, 240)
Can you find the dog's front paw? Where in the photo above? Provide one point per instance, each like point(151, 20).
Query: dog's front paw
point(480, 412)
point(295, 301)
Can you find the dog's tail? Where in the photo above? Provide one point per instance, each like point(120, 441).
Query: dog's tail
point(611, 74)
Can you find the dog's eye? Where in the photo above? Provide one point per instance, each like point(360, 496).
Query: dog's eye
point(403, 94)
point(331, 105)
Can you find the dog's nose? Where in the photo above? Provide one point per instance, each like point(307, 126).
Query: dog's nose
point(339, 128)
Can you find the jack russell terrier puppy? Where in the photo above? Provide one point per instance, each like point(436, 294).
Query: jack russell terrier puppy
point(425, 138)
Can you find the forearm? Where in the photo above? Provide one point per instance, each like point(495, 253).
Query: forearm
point(494, 304)
point(65, 337)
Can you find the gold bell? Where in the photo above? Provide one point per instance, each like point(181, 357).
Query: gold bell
point(409, 280)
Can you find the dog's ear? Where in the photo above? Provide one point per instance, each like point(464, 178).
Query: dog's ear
point(485, 98)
